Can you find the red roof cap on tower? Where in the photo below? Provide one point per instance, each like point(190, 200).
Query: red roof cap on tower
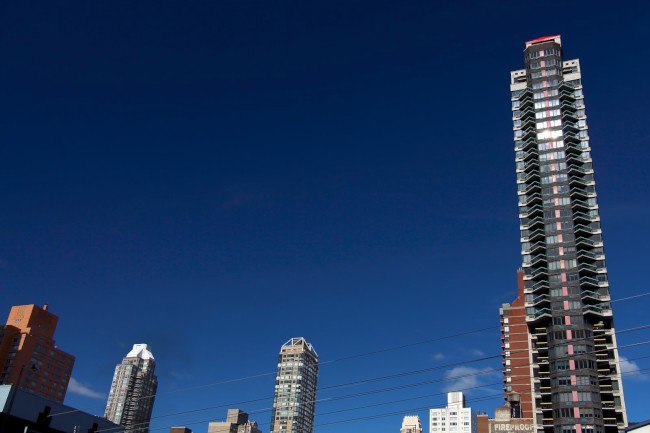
point(542, 39)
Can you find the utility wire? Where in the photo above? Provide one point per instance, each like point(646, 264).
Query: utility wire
point(416, 384)
point(488, 371)
point(386, 414)
point(359, 355)
point(411, 385)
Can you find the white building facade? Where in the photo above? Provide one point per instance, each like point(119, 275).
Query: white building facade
point(455, 418)
point(411, 424)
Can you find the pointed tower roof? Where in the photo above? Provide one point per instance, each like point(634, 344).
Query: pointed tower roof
point(142, 351)
point(300, 341)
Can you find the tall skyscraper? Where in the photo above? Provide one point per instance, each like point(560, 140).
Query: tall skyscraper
point(29, 357)
point(574, 364)
point(455, 418)
point(411, 424)
point(294, 403)
point(133, 390)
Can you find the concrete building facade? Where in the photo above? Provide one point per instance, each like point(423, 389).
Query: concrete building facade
point(236, 422)
point(455, 418)
point(504, 422)
point(411, 424)
point(133, 390)
point(29, 357)
point(294, 403)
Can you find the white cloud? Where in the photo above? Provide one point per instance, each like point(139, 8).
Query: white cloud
point(632, 368)
point(77, 387)
point(438, 356)
point(465, 378)
point(479, 353)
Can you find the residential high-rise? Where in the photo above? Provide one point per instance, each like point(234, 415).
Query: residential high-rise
point(29, 357)
point(294, 403)
point(236, 422)
point(455, 418)
point(133, 390)
point(411, 424)
point(573, 364)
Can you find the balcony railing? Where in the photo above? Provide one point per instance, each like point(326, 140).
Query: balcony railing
point(525, 144)
point(588, 282)
point(539, 299)
point(518, 94)
point(583, 216)
point(578, 170)
point(583, 228)
point(539, 286)
point(590, 295)
point(530, 223)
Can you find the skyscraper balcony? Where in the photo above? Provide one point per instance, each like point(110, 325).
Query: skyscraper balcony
point(538, 259)
point(590, 296)
point(537, 286)
point(538, 315)
point(583, 229)
point(528, 144)
point(538, 301)
point(530, 211)
point(528, 223)
point(533, 236)
point(523, 112)
point(579, 170)
point(531, 200)
point(518, 94)
point(587, 281)
point(582, 205)
point(567, 95)
point(577, 160)
point(570, 115)
point(536, 247)
point(586, 256)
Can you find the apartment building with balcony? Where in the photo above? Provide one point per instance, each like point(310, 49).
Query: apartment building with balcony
point(574, 364)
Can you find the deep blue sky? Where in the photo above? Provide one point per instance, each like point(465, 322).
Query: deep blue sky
point(215, 177)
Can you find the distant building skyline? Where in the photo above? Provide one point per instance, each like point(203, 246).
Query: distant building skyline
point(574, 364)
point(294, 403)
point(133, 390)
point(29, 357)
point(236, 422)
point(411, 424)
point(454, 418)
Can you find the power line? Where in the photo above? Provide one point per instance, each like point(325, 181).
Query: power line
point(359, 355)
point(356, 356)
point(489, 371)
point(386, 414)
point(412, 385)
point(417, 384)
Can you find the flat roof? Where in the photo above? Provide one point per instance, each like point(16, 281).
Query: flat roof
point(541, 39)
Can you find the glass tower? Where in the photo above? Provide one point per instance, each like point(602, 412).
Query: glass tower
point(295, 388)
point(574, 365)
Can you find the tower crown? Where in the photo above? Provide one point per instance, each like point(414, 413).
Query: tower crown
point(142, 351)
